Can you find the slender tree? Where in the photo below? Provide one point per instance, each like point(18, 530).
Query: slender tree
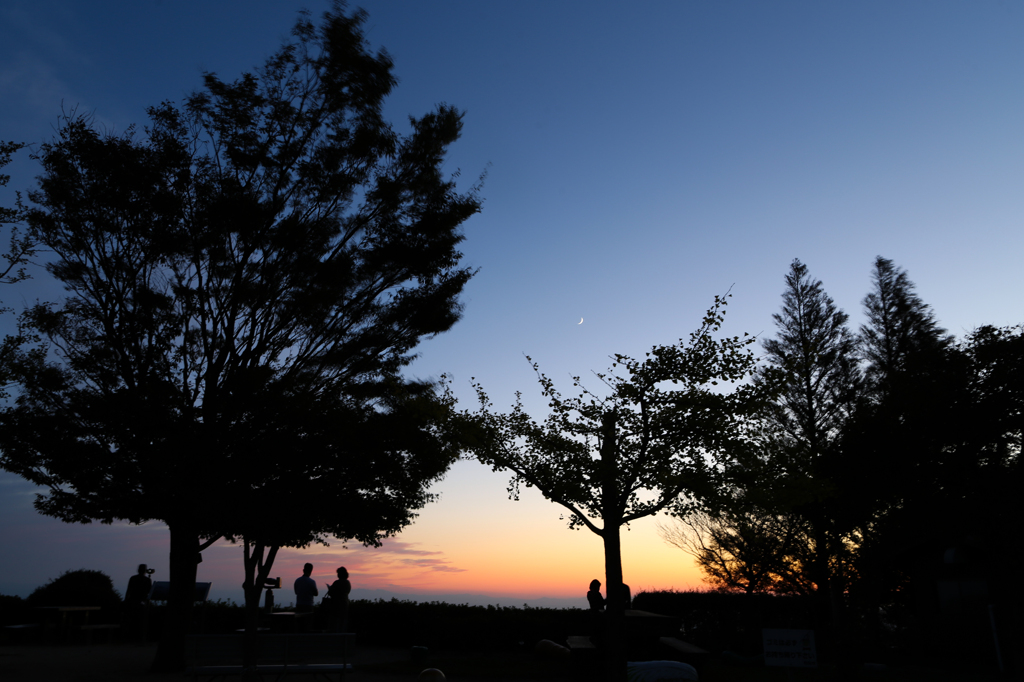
point(816, 351)
point(898, 438)
point(900, 334)
point(246, 280)
point(644, 447)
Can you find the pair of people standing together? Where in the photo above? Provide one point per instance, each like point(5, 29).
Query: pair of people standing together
point(336, 599)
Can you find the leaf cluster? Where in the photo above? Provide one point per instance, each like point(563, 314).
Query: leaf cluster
point(674, 411)
point(21, 247)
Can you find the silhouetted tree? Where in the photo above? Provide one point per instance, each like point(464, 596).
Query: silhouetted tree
point(21, 248)
point(641, 449)
point(854, 487)
point(246, 280)
point(948, 443)
point(901, 334)
point(897, 440)
point(741, 546)
point(816, 351)
point(982, 473)
point(746, 537)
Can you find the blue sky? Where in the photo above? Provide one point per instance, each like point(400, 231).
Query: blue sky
point(641, 157)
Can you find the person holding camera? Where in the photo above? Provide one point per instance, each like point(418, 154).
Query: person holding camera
point(139, 587)
point(136, 600)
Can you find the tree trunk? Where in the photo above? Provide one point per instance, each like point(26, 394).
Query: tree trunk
point(257, 570)
point(615, 607)
point(821, 575)
point(170, 653)
point(252, 624)
point(843, 644)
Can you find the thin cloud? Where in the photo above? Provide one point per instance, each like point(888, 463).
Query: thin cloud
point(441, 565)
point(399, 547)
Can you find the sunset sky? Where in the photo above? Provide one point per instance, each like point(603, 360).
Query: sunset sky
point(641, 157)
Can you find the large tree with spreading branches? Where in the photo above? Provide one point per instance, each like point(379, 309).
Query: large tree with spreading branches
point(246, 279)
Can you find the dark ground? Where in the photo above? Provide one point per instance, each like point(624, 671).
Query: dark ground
point(128, 662)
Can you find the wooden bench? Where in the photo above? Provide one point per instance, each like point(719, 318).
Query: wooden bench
point(585, 653)
point(281, 655)
point(18, 633)
point(581, 643)
point(684, 651)
point(586, 657)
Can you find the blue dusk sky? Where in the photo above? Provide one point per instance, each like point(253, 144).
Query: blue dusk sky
point(641, 158)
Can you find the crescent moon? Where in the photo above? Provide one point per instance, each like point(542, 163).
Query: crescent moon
point(581, 321)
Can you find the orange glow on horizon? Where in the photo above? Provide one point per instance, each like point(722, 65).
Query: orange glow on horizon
point(516, 550)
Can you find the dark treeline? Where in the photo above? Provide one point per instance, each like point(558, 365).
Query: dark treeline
point(883, 481)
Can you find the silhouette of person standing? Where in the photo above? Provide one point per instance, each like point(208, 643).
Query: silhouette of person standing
point(139, 587)
point(594, 597)
point(305, 590)
point(596, 602)
point(136, 601)
point(338, 592)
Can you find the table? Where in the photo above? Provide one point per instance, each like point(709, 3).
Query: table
point(63, 617)
point(290, 621)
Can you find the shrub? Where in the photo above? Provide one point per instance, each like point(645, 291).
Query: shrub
point(14, 610)
point(78, 588)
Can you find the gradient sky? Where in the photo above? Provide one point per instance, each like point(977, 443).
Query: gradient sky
point(641, 157)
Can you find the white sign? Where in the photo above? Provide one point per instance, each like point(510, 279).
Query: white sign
point(790, 647)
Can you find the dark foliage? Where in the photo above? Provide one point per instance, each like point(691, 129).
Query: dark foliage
point(721, 621)
point(247, 279)
point(14, 610)
point(21, 247)
point(83, 587)
point(901, 333)
point(900, 491)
